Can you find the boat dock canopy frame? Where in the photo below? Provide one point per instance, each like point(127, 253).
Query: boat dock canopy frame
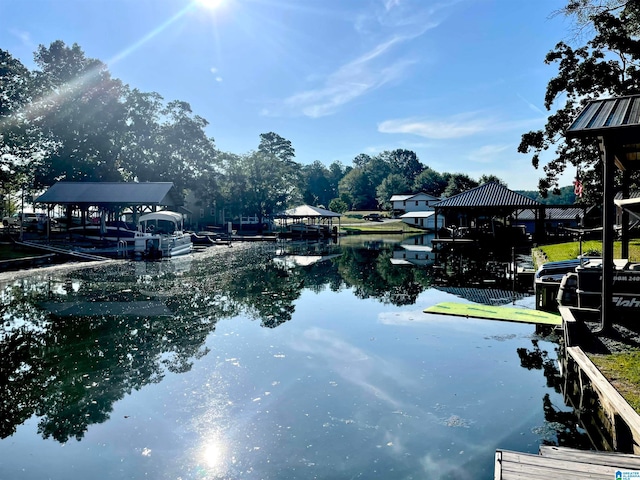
point(615, 124)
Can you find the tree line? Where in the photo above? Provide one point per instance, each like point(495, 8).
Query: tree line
point(68, 119)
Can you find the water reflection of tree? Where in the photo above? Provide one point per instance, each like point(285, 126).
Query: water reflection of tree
point(69, 354)
point(563, 424)
point(69, 370)
point(372, 275)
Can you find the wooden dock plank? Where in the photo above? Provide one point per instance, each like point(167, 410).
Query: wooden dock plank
point(520, 466)
point(626, 461)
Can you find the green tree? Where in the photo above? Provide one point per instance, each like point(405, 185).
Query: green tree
point(80, 112)
point(270, 184)
point(316, 184)
point(458, 183)
point(431, 182)
point(338, 205)
point(18, 139)
point(491, 179)
point(357, 188)
point(606, 65)
point(186, 152)
point(277, 146)
point(393, 184)
point(406, 164)
point(139, 149)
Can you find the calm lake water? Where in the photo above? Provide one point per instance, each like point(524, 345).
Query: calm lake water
point(242, 363)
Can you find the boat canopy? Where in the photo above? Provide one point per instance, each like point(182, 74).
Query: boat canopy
point(171, 218)
point(165, 215)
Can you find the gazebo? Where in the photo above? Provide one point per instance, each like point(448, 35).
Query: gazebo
point(306, 219)
point(489, 200)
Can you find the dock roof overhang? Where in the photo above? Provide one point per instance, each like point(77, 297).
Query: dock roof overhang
point(111, 194)
point(615, 124)
point(489, 198)
point(615, 121)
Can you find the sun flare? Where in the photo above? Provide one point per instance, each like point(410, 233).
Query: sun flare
point(209, 4)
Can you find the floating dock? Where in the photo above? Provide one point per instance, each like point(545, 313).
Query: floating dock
point(488, 312)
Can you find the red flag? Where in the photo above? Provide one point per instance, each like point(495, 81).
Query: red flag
point(577, 187)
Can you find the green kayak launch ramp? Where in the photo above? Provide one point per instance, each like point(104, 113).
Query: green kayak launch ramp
point(508, 314)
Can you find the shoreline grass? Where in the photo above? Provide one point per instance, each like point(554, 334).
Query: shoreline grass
point(570, 250)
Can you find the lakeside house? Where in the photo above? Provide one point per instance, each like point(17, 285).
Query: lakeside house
point(412, 202)
point(417, 210)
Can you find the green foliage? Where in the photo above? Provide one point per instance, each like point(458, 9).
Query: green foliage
point(394, 183)
point(431, 182)
point(338, 205)
point(562, 196)
point(79, 114)
point(277, 146)
point(492, 179)
point(17, 145)
point(356, 186)
point(318, 184)
point(458, 183)
point(606, 65)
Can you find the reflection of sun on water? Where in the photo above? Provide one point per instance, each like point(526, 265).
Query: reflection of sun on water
point(213, 454)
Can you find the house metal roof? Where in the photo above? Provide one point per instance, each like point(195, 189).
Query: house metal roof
point(116, 193)
point(409, 196)
point(488, 195)
point(421, 214)
point(400, 198)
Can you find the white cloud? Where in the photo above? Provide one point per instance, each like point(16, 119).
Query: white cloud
point(24, 37)
point(488, 153)
point(349, 82)
point(456, 127)
point(397, 23)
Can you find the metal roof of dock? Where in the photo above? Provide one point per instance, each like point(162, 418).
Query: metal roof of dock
point(488, 195)
point(111, 193)
point(307, 211)
point(554, 213)
point(601, 117)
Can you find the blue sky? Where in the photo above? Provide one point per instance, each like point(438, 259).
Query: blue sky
point(456, 81)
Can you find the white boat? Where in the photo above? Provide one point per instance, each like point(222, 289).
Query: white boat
point(161, 234)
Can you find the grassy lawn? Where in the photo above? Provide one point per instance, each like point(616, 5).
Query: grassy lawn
point(623, 372)
point(356, 216)
point(570, 250)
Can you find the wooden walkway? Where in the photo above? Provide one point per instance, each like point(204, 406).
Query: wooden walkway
point(562, 463)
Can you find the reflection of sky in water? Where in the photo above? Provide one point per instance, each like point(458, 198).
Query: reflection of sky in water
point(346, 389)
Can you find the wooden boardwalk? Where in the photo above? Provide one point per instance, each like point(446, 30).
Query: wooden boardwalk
point(562, 463)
